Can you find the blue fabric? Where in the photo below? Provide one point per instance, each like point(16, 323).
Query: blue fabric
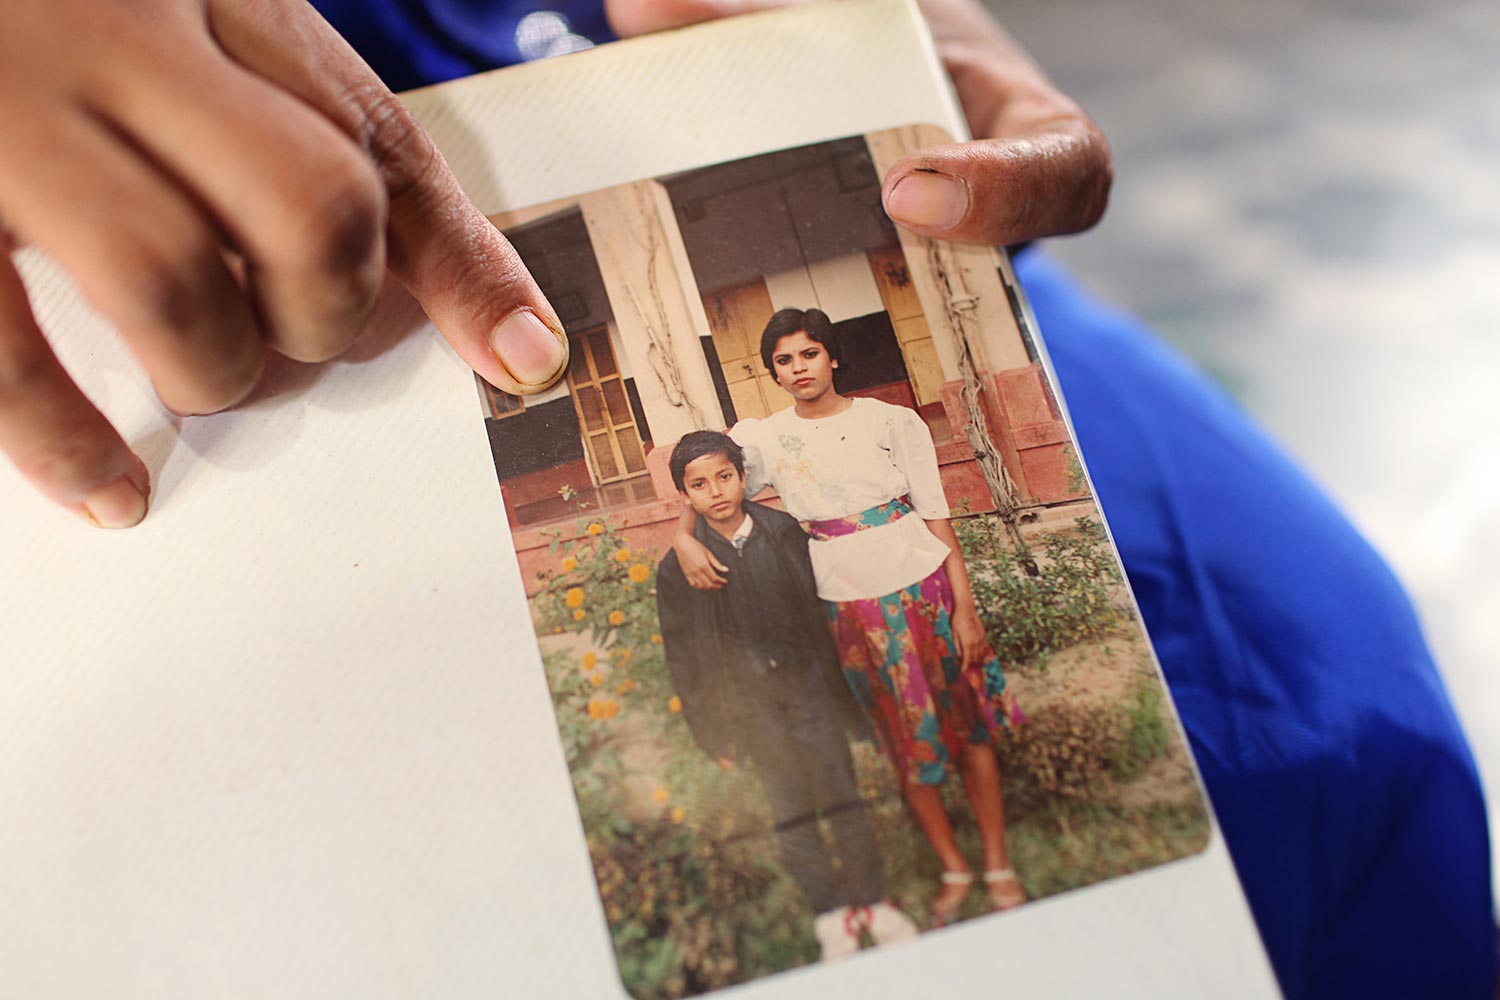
point(413, 43)
point(1342, 782)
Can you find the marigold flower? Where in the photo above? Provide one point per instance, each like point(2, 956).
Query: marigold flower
point(640, 573)
point(656, 640)
point(626, 686)
point(679, 814)
point(569, 564)
point(623, 654)
point(596, 679)
point(590, 660)
point(674, 704)
point(617, 618)
point(557, 630)
point(596, 709)
point(660, 795)
point(611, 708)
point(579, 616)
point(622, 555)
point(574, 597)
point(595, 528)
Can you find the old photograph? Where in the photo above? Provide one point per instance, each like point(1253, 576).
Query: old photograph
point(840, 651)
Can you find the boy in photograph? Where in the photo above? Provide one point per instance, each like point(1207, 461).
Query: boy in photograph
point(755, 667)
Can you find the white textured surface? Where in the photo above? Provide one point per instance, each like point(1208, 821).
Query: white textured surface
point(290, 738)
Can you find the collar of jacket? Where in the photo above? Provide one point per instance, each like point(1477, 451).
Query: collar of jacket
point(708, 536)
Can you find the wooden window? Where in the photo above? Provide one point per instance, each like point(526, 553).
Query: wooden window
point(605, 419)
point(899, 293)
point(497, 402)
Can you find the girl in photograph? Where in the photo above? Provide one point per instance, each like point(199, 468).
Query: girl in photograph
point(862, 477)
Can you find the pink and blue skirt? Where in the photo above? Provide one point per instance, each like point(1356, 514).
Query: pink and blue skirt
point(900, 659)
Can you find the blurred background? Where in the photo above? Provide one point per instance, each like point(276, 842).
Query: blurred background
point(1307, 203)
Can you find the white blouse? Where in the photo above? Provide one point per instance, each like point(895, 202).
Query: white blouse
point(834, 466)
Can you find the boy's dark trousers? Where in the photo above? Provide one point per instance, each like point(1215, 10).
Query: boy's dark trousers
point(800, 753)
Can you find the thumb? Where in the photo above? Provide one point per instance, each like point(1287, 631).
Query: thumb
point(1004, 191)
point(629, 18)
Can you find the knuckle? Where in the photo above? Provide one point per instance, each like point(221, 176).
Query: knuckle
point(342, 222)
point(171, 289)
point(26, 367)
point(404, 155)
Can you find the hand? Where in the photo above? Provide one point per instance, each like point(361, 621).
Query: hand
point(1037, 167)
point(968, 636)
point(702, 570)
point(223, 176)
point(728, 764)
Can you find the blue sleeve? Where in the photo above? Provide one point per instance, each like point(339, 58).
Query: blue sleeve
point(414, 43)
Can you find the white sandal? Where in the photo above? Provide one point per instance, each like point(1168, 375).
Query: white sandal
point(943, 915)
point(997, 877)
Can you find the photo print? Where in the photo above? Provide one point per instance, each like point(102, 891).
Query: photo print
point(840, 651)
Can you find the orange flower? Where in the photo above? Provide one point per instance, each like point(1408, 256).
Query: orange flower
point(660, 795)
point(622, 655)
point(626, 686)
point(579, 616)
point(674, 704)
point(679, 814)
point(574, 597)
point(590, 660)
point(622, 555)
point(617, 618)
point(611, 708)
point(656, 640)
point(640, 573)
point(569, 564)
point(596, 709)
point(596, 679)
point(557, 630)
point(595, 528)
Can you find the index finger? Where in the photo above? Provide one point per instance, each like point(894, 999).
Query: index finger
point(468, 278)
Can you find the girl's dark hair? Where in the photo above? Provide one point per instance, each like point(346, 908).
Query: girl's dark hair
point(695, 445)
point(813, 322)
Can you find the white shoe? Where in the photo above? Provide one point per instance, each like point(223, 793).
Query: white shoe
point(888, 924)
point(837, 934)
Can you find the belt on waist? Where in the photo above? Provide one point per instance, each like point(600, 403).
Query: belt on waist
point(876, 517)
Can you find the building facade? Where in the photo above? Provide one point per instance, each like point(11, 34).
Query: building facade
point(664, 287)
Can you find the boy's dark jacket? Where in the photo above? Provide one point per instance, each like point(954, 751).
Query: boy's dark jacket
point(764, 631)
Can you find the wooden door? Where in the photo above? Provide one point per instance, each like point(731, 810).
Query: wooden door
point(737, 316)
point(605, 419)
point(899, 295)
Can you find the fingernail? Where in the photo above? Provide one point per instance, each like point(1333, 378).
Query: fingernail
point(931, 201)
point(533, 354)
point(122, 503)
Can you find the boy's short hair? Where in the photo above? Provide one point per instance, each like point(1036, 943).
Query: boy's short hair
point(698, 444)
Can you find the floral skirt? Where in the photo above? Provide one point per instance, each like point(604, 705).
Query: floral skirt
point(899, 657)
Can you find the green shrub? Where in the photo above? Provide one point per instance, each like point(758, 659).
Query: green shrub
point(1071, 599)
point(1144, 733)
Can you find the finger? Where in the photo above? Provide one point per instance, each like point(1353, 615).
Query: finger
point(629, 18)
point(708, 579)
point(470, 281)
point(53, 434)
point(1004, 191)
point(294, 196)
point(139, 249)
